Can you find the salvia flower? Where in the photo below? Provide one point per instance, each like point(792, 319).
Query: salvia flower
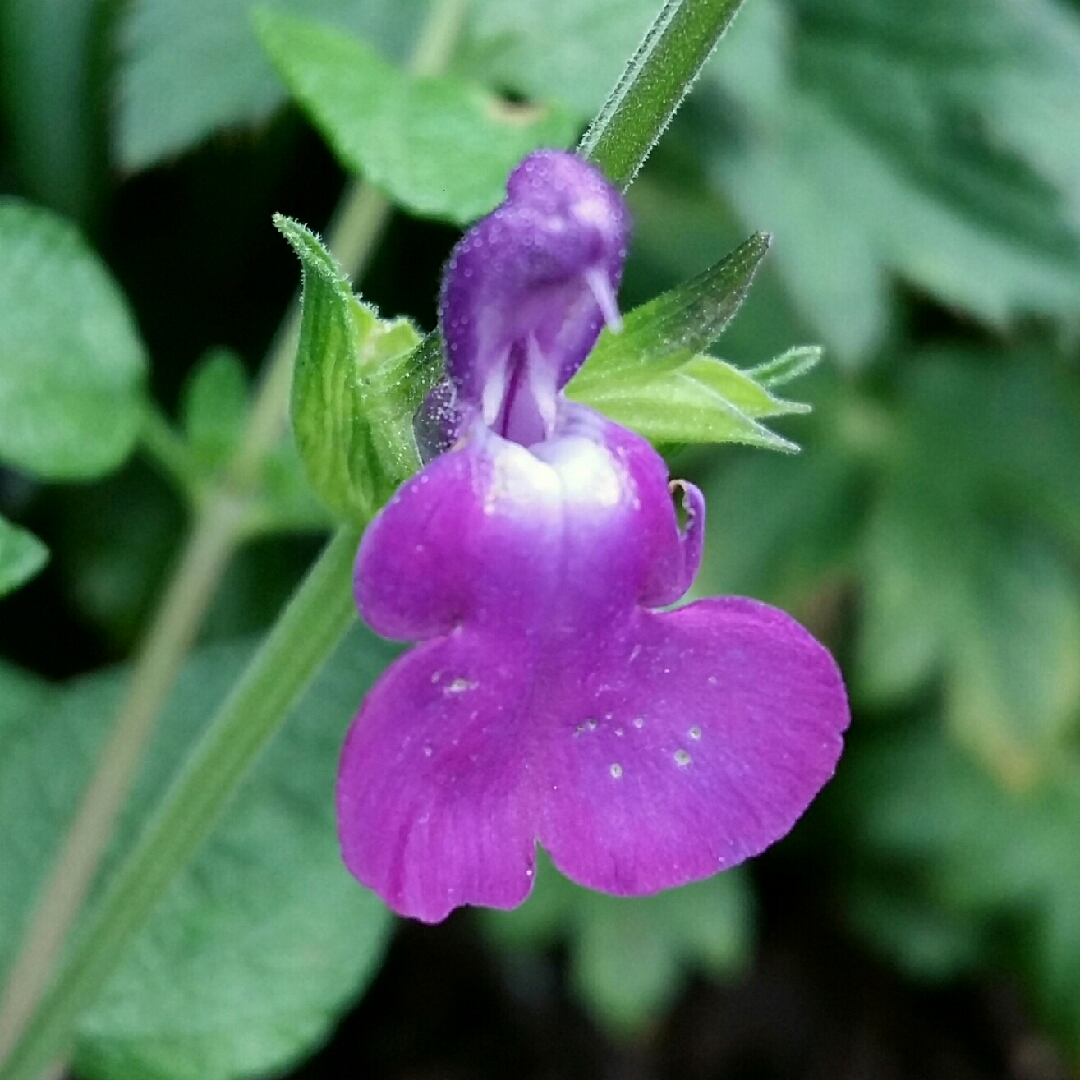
point(549, 700)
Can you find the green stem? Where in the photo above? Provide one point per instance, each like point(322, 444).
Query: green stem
point(311, 625)
point(221, 523)
point(168, 450)
point(653, 85)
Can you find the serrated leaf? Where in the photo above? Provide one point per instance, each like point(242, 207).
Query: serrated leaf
point(873, 159)
point(189, 67)
point(22, 555)
point(265, 938)
point(962, 582)
point(71, 363)
point(357, 384)
point(437, 146)
point(630, 956)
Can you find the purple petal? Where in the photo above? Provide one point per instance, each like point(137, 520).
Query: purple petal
point(430, 812)
point(643, 755)
point(574, 533)
point(695, 739)
point(643, 749)
point(528, 288)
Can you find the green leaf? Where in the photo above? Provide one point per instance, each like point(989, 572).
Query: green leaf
point(793, 364)
point(22, 555)
point(213, 407)
point(71, 362)
point(437, 146)
point(357, 384)
point(630, 956)
point(963, 581)
point(878, 154)
point(189, 67)
point(264, 939)
point(52, 76)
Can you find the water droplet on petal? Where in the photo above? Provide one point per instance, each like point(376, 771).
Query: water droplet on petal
point(695, 732)
point(616, 771)
point(682, 758)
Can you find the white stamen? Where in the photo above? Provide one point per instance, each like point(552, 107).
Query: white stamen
point(600, 287)
point(495, 389)
point(542, 379)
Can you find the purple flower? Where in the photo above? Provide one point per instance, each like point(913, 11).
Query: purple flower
point(549, 700)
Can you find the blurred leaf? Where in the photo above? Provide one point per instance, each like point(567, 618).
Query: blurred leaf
point(71, 362)
point(22, 555)
point(780, 527)
point(265, 938)
point(52, 91)
point(213, 407)
point(214, 413)
point(355, 388)
point(562, 50)
point(960, 580)
point(907, 568)
point(874, 159)
point(1006, 865)
point(1014, 691)
point(439, 147)
point(192, 66)
point(918, 935)
point(630, 956)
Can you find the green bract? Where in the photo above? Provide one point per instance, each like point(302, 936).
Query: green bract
point(71, 363)
point(655, 377)
point(354, 390)
point(359, 380)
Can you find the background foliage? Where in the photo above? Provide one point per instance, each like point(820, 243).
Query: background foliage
point(918, 164)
